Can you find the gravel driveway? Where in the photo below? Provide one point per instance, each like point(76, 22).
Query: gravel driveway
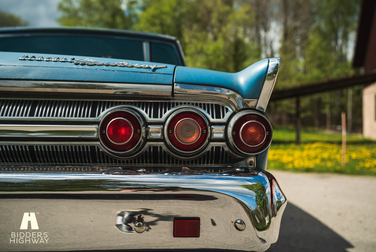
point(327, 212)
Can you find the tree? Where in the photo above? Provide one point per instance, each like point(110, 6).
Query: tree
point(315, 45)
point(10, 20)
point(98, 13)
point(264, 15)
point(165, 17)
point(327, 50)
point(214, 34)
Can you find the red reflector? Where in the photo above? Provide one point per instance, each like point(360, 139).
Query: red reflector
point(187, 227)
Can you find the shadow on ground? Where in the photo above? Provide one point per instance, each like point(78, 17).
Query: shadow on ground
point(302, 232)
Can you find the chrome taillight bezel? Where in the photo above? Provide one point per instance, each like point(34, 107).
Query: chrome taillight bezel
point(247, 149)
point(169, 132)
point(137, 130)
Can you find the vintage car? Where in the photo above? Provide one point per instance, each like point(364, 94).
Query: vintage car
point(108, 142)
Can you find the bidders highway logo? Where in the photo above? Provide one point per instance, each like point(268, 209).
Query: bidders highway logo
point(26, 237)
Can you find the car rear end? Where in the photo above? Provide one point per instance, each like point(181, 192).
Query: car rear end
point(108, 154)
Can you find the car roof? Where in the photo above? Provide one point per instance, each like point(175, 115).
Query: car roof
point(95, 32)
point(86, 31)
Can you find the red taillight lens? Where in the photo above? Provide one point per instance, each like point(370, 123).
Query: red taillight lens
point(251, 133)
point(187, 227)
point(120, 131)
point(187, 131)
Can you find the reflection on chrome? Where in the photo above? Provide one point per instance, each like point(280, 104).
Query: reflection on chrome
point(251, 202)
point(91, 89)
point(208, 93)
point(271, 78)
point(129, 221)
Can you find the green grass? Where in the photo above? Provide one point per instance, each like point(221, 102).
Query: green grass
point(322, 152)
point(307, 136)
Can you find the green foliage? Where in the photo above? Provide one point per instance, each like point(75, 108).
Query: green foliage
point(213, 33)
point(10, 20)
point(96, 13)
point(316, 53)
point(315, 40)
point(165, 17)
point(312, 136)
point(326, 54)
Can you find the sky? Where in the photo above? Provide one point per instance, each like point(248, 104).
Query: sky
point(38, 13)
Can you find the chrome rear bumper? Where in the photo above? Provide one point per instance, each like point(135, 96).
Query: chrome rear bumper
point(58, 212)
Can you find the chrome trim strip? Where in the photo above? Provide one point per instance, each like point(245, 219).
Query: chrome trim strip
point(49, 119)
point(181, 53)
point(123, 89)
point(146, 48)
point(218, 132)
point(30, 130)
point(41, 142)
point(269, 83)
point(155, 132)
point(210, 93)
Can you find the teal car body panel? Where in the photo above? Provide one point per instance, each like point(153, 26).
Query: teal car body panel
point(13, 68)
point(248, 82)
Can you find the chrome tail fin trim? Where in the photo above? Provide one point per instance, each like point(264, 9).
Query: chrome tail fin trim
point(267, 89)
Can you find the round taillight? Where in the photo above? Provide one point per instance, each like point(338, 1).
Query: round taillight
point(250, 133)
point(120, 131)
point(187, 131)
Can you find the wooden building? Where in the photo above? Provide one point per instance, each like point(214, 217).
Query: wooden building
point(365, 56)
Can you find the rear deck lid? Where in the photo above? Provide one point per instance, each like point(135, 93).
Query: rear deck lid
point(27, 66)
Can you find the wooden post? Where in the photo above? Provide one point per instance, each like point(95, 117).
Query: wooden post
point(297, 107)
point(343, 138)
point(349, 109)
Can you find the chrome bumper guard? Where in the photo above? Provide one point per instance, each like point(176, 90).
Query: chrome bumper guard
point(64, 212)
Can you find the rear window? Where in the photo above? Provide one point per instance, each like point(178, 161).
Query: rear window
point(85, 46)
point(163, 53)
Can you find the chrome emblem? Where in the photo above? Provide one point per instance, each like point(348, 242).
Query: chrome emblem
point(90, 62)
